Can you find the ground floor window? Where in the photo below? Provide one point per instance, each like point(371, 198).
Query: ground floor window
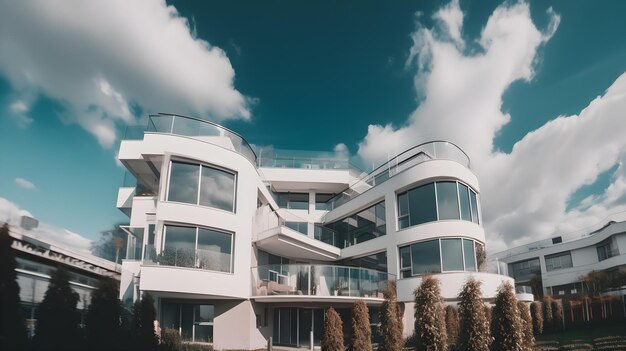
point(292, 326)
point(194, 322)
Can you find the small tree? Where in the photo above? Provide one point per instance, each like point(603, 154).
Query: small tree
point(144, 315)
point(595, 282)
point(361, 330)
point(12, 328)
point(474, 333)
point(333, 333)
point(557, 315)
point(57, 317)
point(390, 327)
point(547, 313)
point(111, 245)
point(430, 327)
point(104, 316)
point(452, 326)
point(527, 325)
point(537, 317)
point(506, 324)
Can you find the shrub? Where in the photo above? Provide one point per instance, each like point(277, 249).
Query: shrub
point(171, 340)
point(537, 317)
point(361, 330)
point(557, 315)
point(333, 333)
point(474, 334)
point(452, 326)
point(488, 318)
point(547, 313)
point(430, 327)
point(506, 324)
point(527, 325)
point(390, 327)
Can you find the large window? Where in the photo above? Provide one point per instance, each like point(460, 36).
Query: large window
point(437, 201)
point(201, 185)
point(435, 256)
point(525, 270)
point(293, 201)
point(558, 261)
point(365, 225)
point(605, 250)
point(197, 247)
point(195, 322)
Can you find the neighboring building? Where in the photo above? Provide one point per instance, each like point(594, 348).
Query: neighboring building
point(37, 259)
point(556, 267)
point(237, 246)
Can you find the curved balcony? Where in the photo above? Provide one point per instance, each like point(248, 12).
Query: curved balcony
point(289, 282)
point(195, 128)
point(433, 150)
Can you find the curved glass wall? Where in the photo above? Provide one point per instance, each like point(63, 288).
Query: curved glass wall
point(193, 247)
point(201, 185)
point(436, 256)
point(437, 201)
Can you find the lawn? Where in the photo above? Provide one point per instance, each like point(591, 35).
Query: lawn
point(600, 337)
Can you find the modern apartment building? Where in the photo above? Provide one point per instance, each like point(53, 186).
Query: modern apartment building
point(37, 259)
point(556, 266)
point(239, 246)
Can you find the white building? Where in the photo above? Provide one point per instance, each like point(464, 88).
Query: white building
point(559, 264)
point(238, 247)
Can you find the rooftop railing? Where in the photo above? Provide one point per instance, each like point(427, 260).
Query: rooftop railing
point(320, 280)
point(195, 128)
point(441, 150)
point(278, 158)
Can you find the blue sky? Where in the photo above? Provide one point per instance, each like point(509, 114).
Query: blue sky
point(312, 75)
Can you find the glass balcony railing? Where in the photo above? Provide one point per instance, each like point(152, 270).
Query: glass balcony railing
point(497, 267)
point(196, 128)
point(441, 150)
point(277, 158)
point(189, 258)
point(523, 289)
point(320, 280)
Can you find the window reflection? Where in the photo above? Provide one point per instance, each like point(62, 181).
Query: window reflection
point(201, 185)
point(437, 201)
point(435, 256)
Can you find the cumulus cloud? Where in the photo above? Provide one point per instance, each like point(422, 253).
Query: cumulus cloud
point(524, 193)
point(26, 184)
point(102, 60)
point(11, 213)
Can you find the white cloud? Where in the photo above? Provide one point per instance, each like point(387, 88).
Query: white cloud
point(99, 58)
point(12, 214)
point(18, 109)
point(21, 182)
point(524, 193)
point(451, 17)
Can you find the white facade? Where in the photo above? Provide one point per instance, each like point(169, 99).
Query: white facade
point(229, 240)
point(561, 264)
